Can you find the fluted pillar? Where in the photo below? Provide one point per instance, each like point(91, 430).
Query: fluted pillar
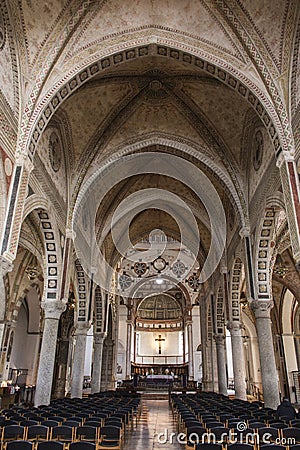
point(53, 310)
point(238, 360)
point(269, 375)
point(190, 350)
point(221, 363)
point(97, 362)
point(79, 358)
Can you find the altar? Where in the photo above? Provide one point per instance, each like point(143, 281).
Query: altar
point(159, 379)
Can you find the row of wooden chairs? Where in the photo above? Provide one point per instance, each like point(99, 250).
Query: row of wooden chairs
point(49, 445)
point(108, 435)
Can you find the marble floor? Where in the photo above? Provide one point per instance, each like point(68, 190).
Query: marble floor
point(154, 428)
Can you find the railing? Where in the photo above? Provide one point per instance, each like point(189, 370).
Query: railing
point(159, 360)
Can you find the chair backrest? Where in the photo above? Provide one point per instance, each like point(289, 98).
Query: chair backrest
point(291, 432)
point(267, 434)
point(49, 423)
point(86, 432)
point(71, 423)
point(29, 422)
point(50, 445)
point(13, 431)
point(272, 447)
point(208, 446)
point(37, 431)
point(240, 446)
point(94, 423)
point(82, 446)
point(279, 425)
point(19, 445)
point(62, 432)
point(110, 431)
point(58, 419)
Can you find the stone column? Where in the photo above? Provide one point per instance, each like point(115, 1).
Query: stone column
point(128, 350)
point(269, 375)
point(97, 362)
point(53, 310)
point(238, 359)
point(221, 363)
point(79, 358)
point(190, 350)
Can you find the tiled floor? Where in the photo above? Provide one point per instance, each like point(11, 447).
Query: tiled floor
point(154, 428)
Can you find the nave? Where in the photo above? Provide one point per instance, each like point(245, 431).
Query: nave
point(154, 427)
point(194, 421)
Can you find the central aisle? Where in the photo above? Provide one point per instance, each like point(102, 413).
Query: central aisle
point(154, 428)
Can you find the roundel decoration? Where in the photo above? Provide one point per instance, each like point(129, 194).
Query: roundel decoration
point(140, 268)
point(159, 264)
point(125, 281)
point(178, 268)
point(194, 282)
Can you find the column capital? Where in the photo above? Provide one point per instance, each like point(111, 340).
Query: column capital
point(5, 266)
point(244, 232)
point(219, 338)
point(82, 328)
point(99, 338)
point(235, 327)
point(70, 233)
point(24, 160)
point(53, 308)
point(262, 308)
point(284, 157)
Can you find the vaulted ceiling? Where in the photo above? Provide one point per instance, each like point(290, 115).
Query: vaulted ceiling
point(213, 114)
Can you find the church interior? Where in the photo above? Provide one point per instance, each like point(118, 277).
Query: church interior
point(149, 212)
